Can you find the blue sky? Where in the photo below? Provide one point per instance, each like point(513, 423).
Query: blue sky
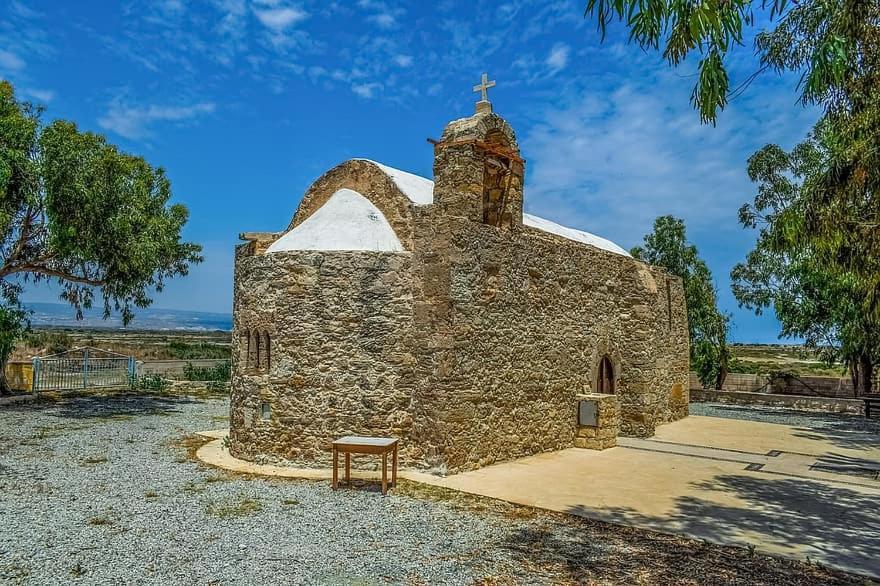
point(246, 102)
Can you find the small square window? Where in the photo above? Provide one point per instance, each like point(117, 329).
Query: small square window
point(265, 411)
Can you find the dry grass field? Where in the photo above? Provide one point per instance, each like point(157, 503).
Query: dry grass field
point(766, 358)
point(142, 344)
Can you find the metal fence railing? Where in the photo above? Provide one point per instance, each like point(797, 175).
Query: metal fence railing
point(82, 368)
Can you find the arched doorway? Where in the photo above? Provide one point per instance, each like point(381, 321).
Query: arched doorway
point(605, 382)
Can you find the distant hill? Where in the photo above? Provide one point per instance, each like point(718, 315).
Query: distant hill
point(60, 315)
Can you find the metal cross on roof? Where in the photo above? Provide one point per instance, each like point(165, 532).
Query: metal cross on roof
point(485, 84)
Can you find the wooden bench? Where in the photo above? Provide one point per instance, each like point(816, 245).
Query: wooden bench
point(352, 444)
point(870, 401)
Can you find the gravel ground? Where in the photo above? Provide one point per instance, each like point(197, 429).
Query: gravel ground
point(103, 490)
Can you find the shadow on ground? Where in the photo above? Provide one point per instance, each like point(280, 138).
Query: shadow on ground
point(853, 432)
point(832, 524)
point(108, 406)
point(843, 464)
point(841, 429)
point(596, 552)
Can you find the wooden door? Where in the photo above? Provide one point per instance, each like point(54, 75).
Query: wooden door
point(606, 377)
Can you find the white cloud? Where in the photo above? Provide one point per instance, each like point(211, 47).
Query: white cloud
point(9, 61)
point(23, 11)
point(172, 6)
point(231, 29)
point(280, 18)
point(403, 60)
point(611, 161)
point(558, 57)
point(40, 95)
point(382, 15)
point(366, 90)
point(384, 20)
point(133, 122)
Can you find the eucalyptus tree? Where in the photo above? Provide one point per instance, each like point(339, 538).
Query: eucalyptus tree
point(78, 212)
point(667, 246)
point(835, 47)
point(814, 298)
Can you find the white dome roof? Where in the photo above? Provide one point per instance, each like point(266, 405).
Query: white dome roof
point(346, 221)
point(349, 221)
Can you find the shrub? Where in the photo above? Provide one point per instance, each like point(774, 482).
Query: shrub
point(190, 351)
point(151, 382)
point(53, 342)
point(217, 373)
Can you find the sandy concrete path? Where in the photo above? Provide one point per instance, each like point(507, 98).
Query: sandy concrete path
point(783, 489)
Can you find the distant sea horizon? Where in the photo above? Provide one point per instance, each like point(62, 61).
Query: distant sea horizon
point(151, 318)
point(60, 315)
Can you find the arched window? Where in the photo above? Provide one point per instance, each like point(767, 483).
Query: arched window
point(268, 353)
point(605, 380)
point(256, 350)
point(258, 338)
point(497, 176)
point(245, 348)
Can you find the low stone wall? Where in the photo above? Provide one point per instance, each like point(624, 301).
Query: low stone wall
point(20, 375)
point(604, 434)
point(187, 386)
point(827, 404)
point(813, 386)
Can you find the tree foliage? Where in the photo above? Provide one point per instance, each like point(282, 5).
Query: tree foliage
point(822, 39)
point(667, 246)
point(77, 211)
point(812, 296)
point(13, 323)
point(835, 46)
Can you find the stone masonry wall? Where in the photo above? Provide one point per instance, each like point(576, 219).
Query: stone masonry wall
point(671, 345)
point(527, 318)
point(603, 435)
point(341, 352)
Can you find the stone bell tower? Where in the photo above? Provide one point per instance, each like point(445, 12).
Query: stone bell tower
point(478, 171)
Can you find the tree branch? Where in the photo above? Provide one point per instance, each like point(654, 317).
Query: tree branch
point(23, 237)
point(50, 272)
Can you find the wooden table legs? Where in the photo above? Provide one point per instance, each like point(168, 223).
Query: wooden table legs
point(364, 446)
point(394, 467)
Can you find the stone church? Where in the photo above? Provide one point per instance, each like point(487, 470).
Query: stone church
point(440, 313)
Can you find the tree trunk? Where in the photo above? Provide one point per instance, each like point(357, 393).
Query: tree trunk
point(722, 369)
point(853, 367)
point(863, 372)
point(4, 386)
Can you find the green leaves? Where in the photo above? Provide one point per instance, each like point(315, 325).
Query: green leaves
point(77, 210)
point(13, 323)
point(709, 27)
point(814, 295)
point(710, 94)
point(667, 246)
point(831, 42)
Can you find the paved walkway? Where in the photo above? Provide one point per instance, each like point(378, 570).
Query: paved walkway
point(784, 489)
